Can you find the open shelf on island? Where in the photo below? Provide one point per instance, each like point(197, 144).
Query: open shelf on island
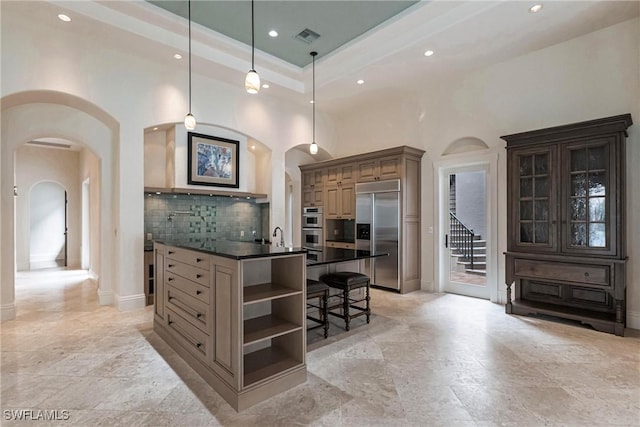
point(264, 363)
point(269, 326)
point(267, 291)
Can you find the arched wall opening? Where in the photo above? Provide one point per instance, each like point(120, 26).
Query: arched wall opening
point(33, 115)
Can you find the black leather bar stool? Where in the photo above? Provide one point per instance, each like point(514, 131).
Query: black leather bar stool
point(319, 290)
point(347, 281)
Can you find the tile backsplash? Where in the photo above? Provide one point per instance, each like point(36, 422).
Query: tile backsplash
point(178, 216)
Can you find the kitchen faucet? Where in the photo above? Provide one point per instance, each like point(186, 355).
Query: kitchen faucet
point(275, 234)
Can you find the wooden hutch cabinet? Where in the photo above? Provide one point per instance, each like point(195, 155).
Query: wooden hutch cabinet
point(566, 222)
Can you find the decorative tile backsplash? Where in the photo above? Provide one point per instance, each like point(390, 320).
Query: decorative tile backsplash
point(176, 216)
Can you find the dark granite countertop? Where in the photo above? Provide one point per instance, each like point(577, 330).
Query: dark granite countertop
point(341, 240)
point(231, 249)
point(333, 255)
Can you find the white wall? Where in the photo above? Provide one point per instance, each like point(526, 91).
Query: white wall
point(90, 168)
point(35, 165)
point(596, 75)
point(155, 158)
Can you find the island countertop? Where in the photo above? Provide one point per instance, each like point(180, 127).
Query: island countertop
point(333, 255)
point(231, 249)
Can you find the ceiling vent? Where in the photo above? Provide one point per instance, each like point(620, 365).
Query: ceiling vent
point(308, 36)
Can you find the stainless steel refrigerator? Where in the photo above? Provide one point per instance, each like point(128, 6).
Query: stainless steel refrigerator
point(378, 230)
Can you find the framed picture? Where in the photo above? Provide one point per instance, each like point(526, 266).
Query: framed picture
point(213, 161)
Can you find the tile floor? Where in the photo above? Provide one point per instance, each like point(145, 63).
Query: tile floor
point(425, 360)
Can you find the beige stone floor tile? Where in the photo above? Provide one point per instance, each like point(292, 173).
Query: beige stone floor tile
point(425, 360)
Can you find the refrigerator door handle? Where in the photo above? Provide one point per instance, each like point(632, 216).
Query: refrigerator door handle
point(446, 241)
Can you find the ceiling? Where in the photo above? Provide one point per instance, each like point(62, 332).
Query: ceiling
point(336, 22)
point(466, 36)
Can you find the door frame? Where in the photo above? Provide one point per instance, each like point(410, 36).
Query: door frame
point(442, 169)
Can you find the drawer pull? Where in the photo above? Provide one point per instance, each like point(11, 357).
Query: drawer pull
point(198, 292)
point(198, 276)
point(169, 279)
point(199, 259)
point(171, 322)
point(170, 252)
point(586, 274)
point(171, 266)
point(198, 345)
point(198, 315)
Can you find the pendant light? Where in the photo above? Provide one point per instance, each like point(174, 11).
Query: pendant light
point(313, 148)
point(252, 81)
point(189, 120)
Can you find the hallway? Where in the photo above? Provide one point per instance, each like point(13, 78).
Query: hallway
point(425, 359)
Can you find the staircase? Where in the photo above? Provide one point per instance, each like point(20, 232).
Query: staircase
point(463, 263)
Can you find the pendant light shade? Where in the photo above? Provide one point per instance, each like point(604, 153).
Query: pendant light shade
point(252, 81)
point(189, 119)
point(313, 148)
point(189, 122)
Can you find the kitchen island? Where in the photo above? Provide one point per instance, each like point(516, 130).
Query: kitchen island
point(235, 312)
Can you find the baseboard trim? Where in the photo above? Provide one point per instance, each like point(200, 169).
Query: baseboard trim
point(93, 275)
point(105, 297)
point(426, 286)
point(633, 320)
point(8, 311)
point(131, 302)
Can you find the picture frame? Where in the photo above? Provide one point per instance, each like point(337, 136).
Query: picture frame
point(213, 161)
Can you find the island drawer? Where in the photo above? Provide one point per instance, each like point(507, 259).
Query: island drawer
point(559, 271)
point(192, 310)
point(190, 288)
point(195, 274)
point(193, 339)
point(194, 258)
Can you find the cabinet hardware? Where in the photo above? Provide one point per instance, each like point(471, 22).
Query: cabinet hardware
point(170, 252)
point(169, 279)
point(198, 276)
point(171, 266)
point(199, 259)
point(171, 322)
point(586, 274)
point(198, 315)
point(198, 345)
point(198, 292)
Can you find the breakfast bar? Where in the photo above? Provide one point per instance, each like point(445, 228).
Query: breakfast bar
point(236, 311)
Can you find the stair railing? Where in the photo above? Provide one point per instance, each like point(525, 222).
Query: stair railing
point(464, 237)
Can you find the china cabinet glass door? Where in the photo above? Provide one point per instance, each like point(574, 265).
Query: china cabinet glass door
point(535, 216)
point(588, 190)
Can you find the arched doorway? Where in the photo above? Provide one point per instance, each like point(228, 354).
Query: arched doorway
point(30, 116)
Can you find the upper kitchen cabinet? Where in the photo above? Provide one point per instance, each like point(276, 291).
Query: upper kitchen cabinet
point(313, 178)
point(341, 174)
point(380, 169)
point(313, 187)
point(566, 224)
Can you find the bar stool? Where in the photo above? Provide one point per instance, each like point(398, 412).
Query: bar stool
point(347, 281)
point(318, 290)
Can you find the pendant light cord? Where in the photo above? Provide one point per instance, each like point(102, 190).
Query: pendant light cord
point(253, 46)
point(314, 95)
point(189, 56)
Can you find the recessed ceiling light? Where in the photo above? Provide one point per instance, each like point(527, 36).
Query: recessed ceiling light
point(63, 17)
point(273, 33)
point(535, 8)
point(155, 128)
point(311, 102)
point(360, 82)
point(265, 85)
point(253, 147)
point(177, 56)
point(429, 53)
